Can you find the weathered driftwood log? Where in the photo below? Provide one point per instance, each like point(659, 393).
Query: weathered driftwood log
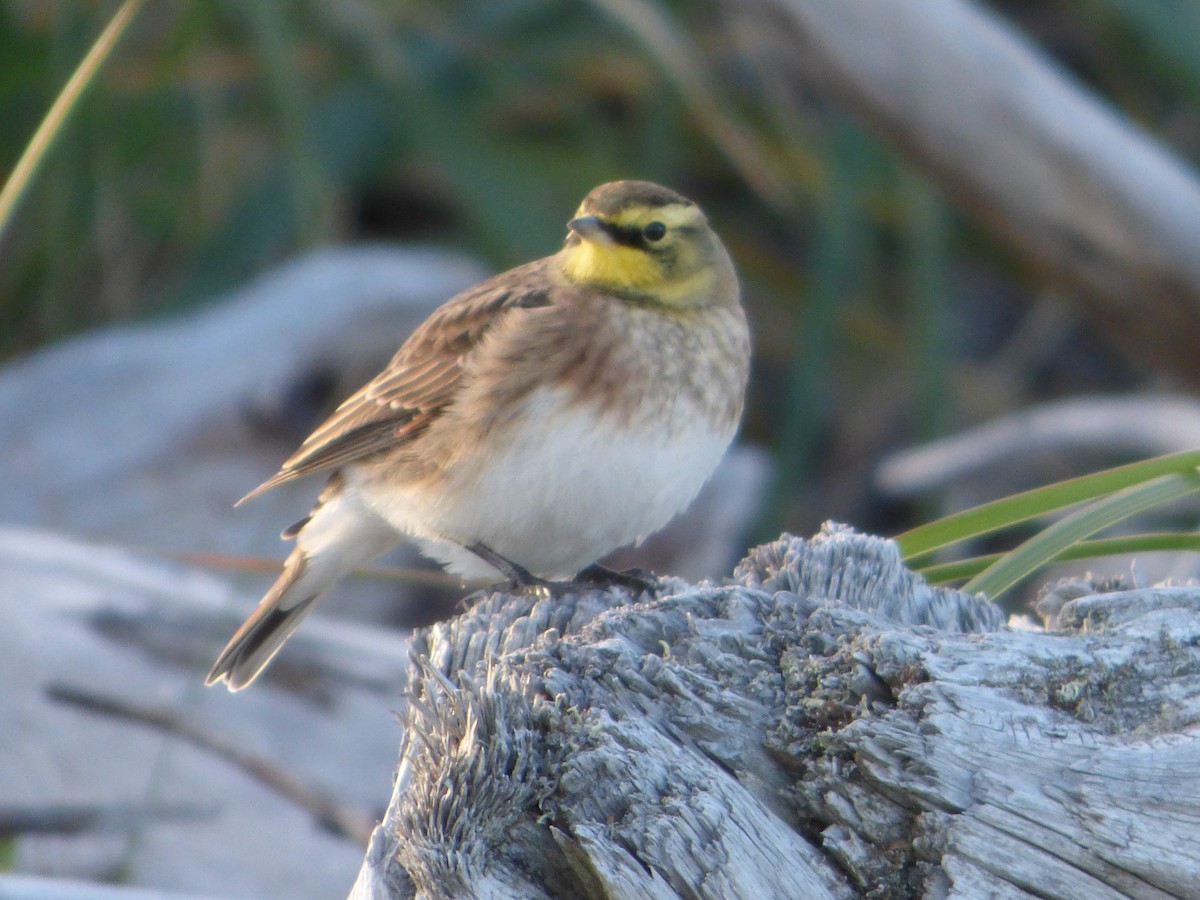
point(1114, 428)
point(1070, 184)
point(826, 725)
point(96, 644)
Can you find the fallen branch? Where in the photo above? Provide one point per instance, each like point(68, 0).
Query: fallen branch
point(19, 821)
point(1110, 428)
point(1074, 187)
point(331, 813)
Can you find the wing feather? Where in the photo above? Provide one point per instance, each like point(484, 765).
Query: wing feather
point(421, 379)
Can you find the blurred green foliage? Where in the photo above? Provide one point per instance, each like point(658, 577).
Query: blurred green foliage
point(226, 136)
point(223, 137)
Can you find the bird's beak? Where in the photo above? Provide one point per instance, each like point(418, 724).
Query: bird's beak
point(590, 228)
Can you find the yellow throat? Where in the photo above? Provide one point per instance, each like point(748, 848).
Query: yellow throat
point(611, 253)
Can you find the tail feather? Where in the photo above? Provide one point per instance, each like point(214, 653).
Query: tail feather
point(339, 535)
point(278, 614)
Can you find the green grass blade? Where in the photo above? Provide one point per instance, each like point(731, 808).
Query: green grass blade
point(957, 570)
point(1052, 541)
point(1154, 542)
point(39, 145)
point(1029, 504)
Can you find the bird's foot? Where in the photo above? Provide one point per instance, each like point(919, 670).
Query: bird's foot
point(633, 580)
point(518, 579)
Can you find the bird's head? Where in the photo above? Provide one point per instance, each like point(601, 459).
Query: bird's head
point(645, 242)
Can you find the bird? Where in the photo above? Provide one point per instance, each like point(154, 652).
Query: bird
point(533, 423)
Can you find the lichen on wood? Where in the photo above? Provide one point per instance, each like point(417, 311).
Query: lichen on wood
point(823, 725)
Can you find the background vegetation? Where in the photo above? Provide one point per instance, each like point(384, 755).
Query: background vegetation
point(224, 137)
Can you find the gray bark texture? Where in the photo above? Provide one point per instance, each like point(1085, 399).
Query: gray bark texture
point(823, 725)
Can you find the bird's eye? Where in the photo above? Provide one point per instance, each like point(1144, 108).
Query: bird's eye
point(655, 231)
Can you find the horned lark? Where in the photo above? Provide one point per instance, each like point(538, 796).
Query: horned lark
point(532, 424)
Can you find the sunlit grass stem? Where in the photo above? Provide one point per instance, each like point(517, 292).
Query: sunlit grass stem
point(1157, 542)
point(43, 138)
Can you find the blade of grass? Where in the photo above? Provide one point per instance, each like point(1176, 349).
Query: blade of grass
point(1050, 542)
point(1155, 542)
point(1029, 504)
point(51, 125)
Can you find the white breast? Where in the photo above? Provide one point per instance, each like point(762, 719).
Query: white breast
point(564, 490)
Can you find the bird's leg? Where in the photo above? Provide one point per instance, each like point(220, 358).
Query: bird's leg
point(633, 580)
point(518, 576)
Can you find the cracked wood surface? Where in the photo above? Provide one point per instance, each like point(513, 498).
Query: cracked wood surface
point(825, 725)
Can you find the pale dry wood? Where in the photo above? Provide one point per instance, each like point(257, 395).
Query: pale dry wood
point(80, 818)
point(1115, 428)
point(141, 632)
point(329, 811)
point(1068, 182)
point(825, 726)
point(33, 887)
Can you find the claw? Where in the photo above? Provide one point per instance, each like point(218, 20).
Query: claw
point(633, 580)
point(521, 580)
